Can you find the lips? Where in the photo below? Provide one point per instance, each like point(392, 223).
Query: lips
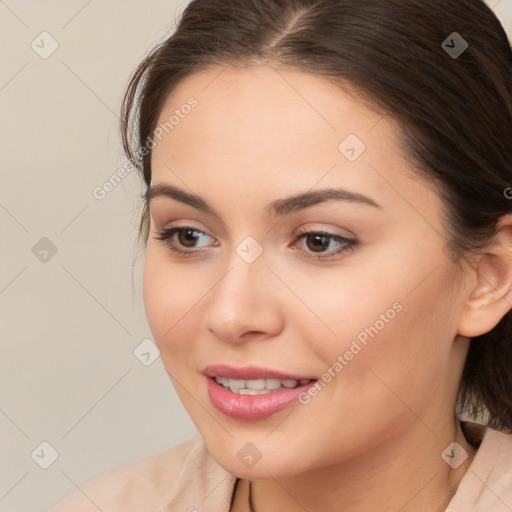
point(255, 405)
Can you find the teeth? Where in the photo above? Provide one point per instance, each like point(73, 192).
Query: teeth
point(255, 384)
point(236, 384)
point(258, 386)
point(272, 383)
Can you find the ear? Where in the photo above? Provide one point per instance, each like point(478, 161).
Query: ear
point(491, 296)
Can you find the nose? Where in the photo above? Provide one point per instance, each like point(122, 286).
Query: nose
point(244, 304)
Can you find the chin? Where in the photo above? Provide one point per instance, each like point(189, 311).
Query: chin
point(246, 461)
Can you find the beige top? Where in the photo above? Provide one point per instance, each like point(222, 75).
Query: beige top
point(187, 479)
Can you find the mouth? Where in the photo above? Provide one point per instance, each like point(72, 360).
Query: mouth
point(252, 393)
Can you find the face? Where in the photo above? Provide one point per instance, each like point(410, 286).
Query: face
point(348, 291)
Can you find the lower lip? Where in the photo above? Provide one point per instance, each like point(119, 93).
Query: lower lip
point(252, 407)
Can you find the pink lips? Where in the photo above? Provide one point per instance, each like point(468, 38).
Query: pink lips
point(251, 407)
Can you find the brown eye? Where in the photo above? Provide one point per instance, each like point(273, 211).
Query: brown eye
point(317, 242)
point(320, 245)
point(188, 237)
point(185, 240)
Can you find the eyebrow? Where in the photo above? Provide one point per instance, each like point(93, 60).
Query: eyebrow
point(277, 208)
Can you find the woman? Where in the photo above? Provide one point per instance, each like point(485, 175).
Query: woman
point(328, 259)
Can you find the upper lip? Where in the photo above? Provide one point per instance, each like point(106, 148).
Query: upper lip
point(250, 373)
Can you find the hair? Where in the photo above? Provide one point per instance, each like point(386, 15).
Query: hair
point(454, 113)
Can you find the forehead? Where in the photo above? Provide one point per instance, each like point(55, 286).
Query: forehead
point(279, 131)
point(267, 92)
point(262, 115)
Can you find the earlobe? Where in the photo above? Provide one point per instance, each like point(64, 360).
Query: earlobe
point(491, 297)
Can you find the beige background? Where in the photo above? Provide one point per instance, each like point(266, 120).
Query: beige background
point(70, 324)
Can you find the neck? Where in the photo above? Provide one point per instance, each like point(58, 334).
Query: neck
point(405, 473)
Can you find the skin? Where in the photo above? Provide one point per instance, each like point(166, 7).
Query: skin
point(372, 438)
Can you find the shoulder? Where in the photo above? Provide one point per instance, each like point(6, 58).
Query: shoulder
point(148, 484)
point(487, 485)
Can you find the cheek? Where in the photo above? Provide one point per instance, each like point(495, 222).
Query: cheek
point(171, 298)
point(381, 324)
point(387, 362)
point(405, 362)
point(340, 306)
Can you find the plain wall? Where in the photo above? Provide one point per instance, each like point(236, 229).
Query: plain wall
point(70, 321)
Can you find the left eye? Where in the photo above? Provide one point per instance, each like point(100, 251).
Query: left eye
point(320, 242)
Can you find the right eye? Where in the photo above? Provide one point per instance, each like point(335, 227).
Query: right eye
point(178, 238)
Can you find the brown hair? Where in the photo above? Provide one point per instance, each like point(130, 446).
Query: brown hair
point(454, 111)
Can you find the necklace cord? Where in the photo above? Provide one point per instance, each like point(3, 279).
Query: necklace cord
point(251, 504)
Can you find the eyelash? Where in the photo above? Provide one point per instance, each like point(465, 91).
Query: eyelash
point(348, 244)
